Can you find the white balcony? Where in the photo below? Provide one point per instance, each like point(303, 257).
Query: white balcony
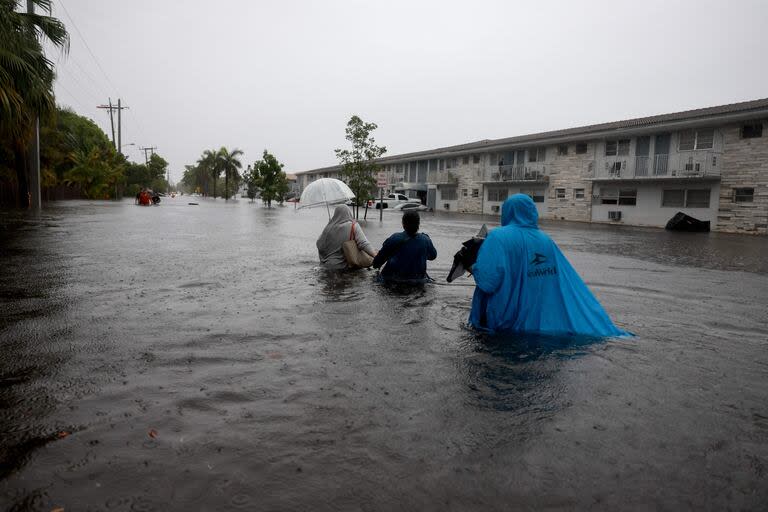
point(688, 164)
point(443, 177)
point(529, 172)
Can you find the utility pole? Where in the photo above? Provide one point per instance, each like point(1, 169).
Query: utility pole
point(115, 142)
point(33, 184)
point(146, 158)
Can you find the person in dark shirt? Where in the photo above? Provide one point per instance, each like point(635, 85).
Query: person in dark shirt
point(406, 253)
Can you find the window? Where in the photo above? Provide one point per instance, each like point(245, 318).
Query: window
point(581, 148)
point(475, 159)
point(475, 192)
point(464, 192)
point(536, 194)
point(465, 160)
point(743, 195)
point(578, 193)
point(697, 198)
point(617, 147)
point(628, 196)
point(674, 197)
point(448, 194)
point(450, 163)
point(536, 154)
point(609, 196)
point(562, 150)
point(497, 194)
point(560, 193)
point(751, 131)
point(697, 139)
point(691, 198)
point(440, 164)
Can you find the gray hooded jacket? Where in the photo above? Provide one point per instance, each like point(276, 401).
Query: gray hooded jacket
point(337, 232)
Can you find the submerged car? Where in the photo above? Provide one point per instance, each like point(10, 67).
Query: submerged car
point(411, 205)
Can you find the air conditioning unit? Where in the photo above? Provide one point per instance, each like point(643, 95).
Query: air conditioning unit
point(614, 215)
point(495, 208)
point(447, 206)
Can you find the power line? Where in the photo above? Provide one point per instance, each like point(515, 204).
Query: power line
point(59, 84)
point(82, 38)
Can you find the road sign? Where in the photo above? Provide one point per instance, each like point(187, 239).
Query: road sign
point(381, 180)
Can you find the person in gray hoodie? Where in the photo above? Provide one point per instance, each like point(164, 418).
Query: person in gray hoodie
point(340, 228)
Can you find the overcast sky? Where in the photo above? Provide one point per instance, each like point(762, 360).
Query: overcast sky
point(287, 75)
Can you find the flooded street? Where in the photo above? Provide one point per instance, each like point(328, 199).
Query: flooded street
point(196, 358)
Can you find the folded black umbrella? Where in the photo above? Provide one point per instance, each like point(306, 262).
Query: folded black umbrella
point(467, 255)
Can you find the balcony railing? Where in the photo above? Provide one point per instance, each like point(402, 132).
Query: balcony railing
point(681, 165)
point(444, 177)
point(522, 172)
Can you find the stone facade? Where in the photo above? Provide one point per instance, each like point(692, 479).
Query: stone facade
point(470, 176)
point(570, 172)
point(745, 164)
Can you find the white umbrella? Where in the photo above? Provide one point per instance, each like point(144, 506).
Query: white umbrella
point(325, 191)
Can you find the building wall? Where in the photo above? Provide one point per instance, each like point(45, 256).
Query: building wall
point(745, 164)
point(488, 205)
point(649, 211)
point(453, 204)
point(570, 172)
point(470, 177)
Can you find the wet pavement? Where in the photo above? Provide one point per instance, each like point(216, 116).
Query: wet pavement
point(196, 358)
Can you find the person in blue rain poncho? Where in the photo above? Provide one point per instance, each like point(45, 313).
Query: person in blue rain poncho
point(525, 284)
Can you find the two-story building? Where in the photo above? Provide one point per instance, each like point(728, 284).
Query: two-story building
point(710, 163)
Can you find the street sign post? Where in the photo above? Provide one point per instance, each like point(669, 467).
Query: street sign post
point(381, 182)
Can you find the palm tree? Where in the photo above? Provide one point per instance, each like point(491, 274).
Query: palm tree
point(26, 74)
point(229, 163)
point(209, 165)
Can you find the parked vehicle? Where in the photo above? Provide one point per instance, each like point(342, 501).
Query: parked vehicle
point(392, 200)
point(410, 205)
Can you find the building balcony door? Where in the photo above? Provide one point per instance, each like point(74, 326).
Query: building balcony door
point(661, 154)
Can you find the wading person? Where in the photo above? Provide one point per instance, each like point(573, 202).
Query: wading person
point(525, 284)
point(405, 254)
point(340, 228)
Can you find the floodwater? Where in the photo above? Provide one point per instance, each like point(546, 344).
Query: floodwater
point(196, 358)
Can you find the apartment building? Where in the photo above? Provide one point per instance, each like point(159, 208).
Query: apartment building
point(710, 163)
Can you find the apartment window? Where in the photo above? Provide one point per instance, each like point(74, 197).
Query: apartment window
point(536, 154)
point(536, 194)
point(675, 197)
point(448, 193)
point(618, 147)
point(628, 196)
point(743, 195)
point(465, 160)
point(464, 192)
point(581, 148)
point(578, 193)
point(562, 150)
point(609, 196)
point(697, 198)
point(475, 159)
point(560, 193)
point(691, 198)
point(751, 131)
point(451, 163)
point(475, 192)
point(497, 194)
point(697, 139)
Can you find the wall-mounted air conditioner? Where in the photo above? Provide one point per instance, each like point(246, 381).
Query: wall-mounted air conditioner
point(495, 208)
point(614, 215)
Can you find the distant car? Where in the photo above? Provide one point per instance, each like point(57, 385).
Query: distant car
point(411, 205)
point(392, 200)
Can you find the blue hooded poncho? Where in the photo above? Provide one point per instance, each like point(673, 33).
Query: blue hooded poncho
point(525, 284)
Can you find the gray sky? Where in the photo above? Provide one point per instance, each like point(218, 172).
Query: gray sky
point(287, 75)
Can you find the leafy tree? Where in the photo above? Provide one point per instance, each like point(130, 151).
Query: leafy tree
point(251, 178)
point(359, 163)
point(229, 163)
point(271, 180)
point(26, 79)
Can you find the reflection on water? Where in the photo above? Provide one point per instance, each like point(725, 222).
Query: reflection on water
point(270, 383)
